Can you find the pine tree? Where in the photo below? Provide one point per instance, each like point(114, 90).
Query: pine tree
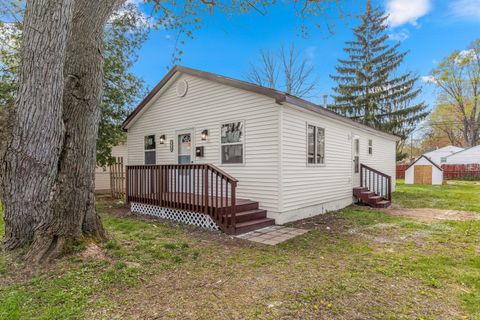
point(368, 87)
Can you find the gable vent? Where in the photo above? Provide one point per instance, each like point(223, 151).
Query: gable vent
point(182, 88)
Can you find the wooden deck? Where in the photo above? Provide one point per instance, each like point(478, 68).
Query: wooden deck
point(201, 188)
point(189, 200)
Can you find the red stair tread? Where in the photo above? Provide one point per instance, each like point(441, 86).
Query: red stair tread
point(370, 198)
point(251, 225)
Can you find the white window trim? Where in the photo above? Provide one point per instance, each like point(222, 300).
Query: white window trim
point(150, 150)
point(370, 146)
point(230, 144)
point(324, 145)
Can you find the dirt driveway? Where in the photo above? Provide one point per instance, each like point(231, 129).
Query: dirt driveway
point(431, 214)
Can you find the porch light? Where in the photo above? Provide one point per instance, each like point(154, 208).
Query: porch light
point(204, 134)
point(162, 139)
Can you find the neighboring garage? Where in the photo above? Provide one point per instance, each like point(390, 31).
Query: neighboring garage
point(424, 171)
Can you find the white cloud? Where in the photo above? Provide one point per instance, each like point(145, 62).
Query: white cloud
point(465, 56)
point(407, 11)
point(469, 9)
point(131, 9)
point(400, 35)
point(311, 51)
point(428, 79)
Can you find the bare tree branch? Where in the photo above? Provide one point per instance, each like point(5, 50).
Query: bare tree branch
point(285, 71)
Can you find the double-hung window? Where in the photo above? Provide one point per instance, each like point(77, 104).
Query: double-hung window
point(370, 147)
point(232, 142)
point(315, 145)
point(149, 149)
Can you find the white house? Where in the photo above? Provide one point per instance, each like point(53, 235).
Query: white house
point(440, 155)
point(282, 157)
point(424, 171)
point(465, 156)
point(102, 174)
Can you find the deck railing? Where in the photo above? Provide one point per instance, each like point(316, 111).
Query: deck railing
point(192, 187)
point(376, 181)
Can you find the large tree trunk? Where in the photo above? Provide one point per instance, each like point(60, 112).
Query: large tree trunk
point(30, 158)
point(73, 201)
point(47, 172)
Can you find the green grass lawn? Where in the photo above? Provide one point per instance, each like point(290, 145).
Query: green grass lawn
point(458, 196)
point(357, 263)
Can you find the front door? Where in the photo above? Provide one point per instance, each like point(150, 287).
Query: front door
point(356, 161)
point(185, 147)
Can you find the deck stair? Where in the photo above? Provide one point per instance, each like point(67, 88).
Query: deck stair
point(249, 217)
point(370, 198)
point(375, 188)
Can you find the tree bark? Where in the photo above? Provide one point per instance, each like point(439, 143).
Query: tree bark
point(31, 152)
point(48, 167)
point(73, 200)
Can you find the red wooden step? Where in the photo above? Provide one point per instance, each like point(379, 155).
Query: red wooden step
point(382, 204)
point(246, 205)
point(247, 226)
point(375, 199)
point(370, 198)
point(249, 215)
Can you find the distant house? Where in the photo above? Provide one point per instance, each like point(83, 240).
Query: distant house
point(219, 152)
point(465, 156)
point(424, 171)
point(103, 177)
point(439, 156)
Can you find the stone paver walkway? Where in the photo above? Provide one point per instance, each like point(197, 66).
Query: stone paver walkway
point(272, 235)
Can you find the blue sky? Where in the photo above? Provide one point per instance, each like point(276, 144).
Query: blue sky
point(428, 29)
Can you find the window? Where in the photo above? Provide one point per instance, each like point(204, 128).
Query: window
point(443, 159)
point(315, 145)
point(149, 148)
point(356, 157)
point(232, 142)
point(370, 147)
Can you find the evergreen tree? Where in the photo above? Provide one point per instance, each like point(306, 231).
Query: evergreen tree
point(369, 88)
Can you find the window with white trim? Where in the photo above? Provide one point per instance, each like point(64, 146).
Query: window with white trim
point(443, 159)
point(315, 145)
point(149, 149)
point(370, 147)
point(232, 142)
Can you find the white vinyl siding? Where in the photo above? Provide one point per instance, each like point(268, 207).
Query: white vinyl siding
point(274, 169)
point(304, 186)
point(206, 106)
point(471, 155)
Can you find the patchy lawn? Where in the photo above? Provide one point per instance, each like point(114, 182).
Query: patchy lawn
point(455, 195)
point(357, 263)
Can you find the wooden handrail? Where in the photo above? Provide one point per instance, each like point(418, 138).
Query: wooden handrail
point(192, 187)
point(376, 181)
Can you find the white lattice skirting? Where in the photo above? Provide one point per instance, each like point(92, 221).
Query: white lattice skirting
point(187, 217)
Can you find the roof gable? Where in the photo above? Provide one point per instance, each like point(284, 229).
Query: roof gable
point(443, 150)
point(278, 96)
point(474, 149)
point(428, 159)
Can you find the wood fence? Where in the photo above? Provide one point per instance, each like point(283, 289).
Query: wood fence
point(401, 171)
point(117, 178)
point(461, 171)
point(450, 171)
